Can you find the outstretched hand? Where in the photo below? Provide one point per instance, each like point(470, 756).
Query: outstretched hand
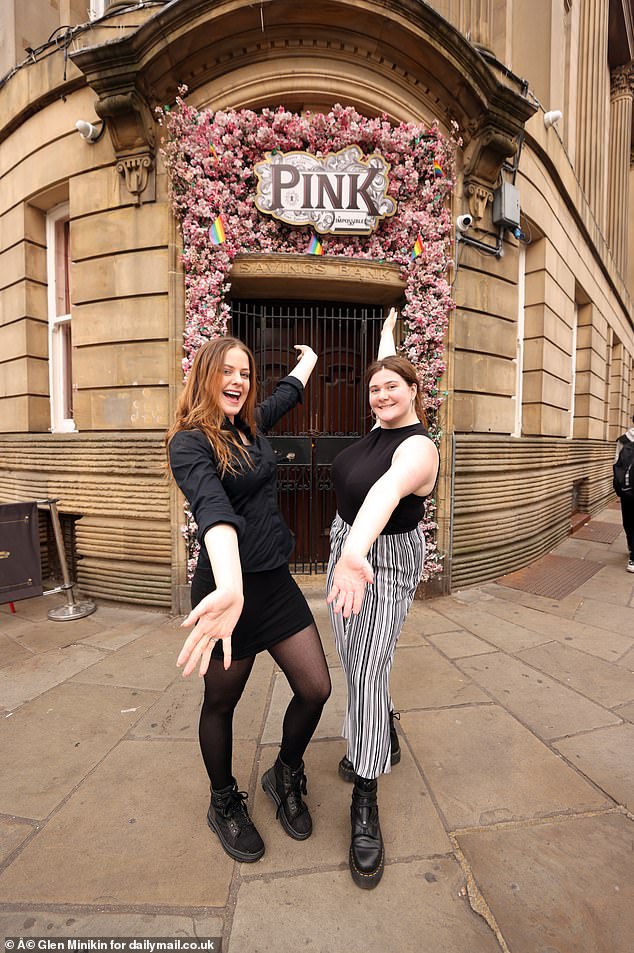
point(352, 574)
point(214, 619)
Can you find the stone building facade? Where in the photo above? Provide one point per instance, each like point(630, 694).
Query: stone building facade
point(540, 345)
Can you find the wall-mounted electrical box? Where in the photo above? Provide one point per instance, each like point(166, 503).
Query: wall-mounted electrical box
point(506, 206)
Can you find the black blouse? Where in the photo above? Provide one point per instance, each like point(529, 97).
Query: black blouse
point(246, 499)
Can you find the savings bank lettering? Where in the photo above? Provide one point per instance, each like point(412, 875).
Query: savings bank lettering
point(342, 193)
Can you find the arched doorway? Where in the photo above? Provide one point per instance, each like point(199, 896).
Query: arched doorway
point(334, 412)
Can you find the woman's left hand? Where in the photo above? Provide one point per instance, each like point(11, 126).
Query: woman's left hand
point(352, 574)
point(305, 350)
point(214, 619)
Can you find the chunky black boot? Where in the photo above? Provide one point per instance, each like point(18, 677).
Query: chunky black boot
point(367, 857)
point(286, 787)
point(346, 768)
point(229, 818)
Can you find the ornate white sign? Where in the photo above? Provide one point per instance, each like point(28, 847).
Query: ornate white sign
point(341, 193)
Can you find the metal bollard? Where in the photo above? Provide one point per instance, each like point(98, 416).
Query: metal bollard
point(72, 609)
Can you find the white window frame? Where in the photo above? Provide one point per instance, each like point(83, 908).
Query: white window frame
point(59, 366)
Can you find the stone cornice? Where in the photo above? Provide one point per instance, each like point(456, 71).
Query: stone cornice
point(411, 55)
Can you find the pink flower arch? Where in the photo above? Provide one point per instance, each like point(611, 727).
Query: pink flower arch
point(210, 158)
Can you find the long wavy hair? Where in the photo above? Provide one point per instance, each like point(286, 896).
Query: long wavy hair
point(405, 369)
point(198, 406)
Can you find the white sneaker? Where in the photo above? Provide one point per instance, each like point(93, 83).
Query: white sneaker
point(630, 565)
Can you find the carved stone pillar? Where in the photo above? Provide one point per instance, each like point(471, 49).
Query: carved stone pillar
point(621, 94)
point(593, 105)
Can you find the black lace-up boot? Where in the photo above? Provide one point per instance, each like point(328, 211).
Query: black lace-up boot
point(229, 818)
point(286, 787)
point(346, 768)
point(367, 857)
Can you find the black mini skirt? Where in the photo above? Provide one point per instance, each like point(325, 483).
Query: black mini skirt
point(274, 609)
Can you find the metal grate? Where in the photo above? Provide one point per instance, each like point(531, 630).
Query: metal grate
point(599, 532)
point(335, 410)
point(552, 576)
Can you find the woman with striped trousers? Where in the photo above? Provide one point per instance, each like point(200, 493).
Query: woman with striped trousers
point(376, 562)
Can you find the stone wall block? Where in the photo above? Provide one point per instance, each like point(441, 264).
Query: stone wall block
point(134, 408)
point(22, 338)
point(124, 275)
point(538, 387)
point(485, 333)
point(543, 355)
point(481, 373)
point(126, 319)
point(541, 288)
point(483, 412)
point(120, 230)
point(478, 292)
point(25, 414)
point(541, 322)
point(121, 365)
point(25, 375)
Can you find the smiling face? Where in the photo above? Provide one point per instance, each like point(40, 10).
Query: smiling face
point(235, 381)
point(391, 399)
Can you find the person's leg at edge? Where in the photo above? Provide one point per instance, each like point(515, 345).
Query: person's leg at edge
point(227, 815)
point(301, 658)
point(627, 513)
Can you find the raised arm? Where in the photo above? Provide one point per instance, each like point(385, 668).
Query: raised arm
point(413, 470)
point(387, 345)
point(306, 363)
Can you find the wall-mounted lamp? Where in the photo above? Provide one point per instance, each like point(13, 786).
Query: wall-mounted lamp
point(552, 118)
point(89, 132)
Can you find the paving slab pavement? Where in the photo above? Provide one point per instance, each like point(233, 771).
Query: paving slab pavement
point(508, 824)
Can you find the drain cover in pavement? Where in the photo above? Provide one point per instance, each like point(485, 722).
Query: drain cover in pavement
point(598, 532)
point(551, 576)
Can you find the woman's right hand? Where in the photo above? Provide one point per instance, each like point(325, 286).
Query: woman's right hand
point(387, 345)
point(351, 575)
point(390, 322)
point(214, 619)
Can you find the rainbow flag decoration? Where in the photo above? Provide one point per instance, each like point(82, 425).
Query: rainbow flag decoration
point(418, 247)
point(212, 151)
point(438, 170)
point(217, 231)
point(315, 247)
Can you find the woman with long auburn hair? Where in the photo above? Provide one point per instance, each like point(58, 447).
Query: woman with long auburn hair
point(376, 562)
point(244, 599)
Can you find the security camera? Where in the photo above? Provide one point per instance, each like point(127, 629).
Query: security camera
point(87, 131)
point(552, 118)
point(464, 222)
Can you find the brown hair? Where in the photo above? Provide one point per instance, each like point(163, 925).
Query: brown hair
point(198, 407)
point(406, 370)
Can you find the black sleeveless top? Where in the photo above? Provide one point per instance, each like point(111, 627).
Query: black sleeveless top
point(357, 468)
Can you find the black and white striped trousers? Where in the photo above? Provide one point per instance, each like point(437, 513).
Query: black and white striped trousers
point(366, 642)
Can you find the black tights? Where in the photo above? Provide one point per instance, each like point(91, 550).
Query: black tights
point(301, 658)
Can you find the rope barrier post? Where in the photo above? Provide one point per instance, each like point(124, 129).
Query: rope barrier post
point(72, 609)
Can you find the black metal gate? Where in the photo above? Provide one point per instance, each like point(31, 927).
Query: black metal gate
point(335, 410)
